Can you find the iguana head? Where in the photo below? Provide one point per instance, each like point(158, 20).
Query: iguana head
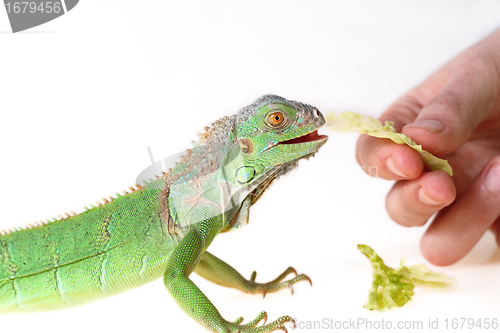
point(238, 158)
point(272, 134)
point(274, 130)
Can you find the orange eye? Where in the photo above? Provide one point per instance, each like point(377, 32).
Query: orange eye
point(276, 118)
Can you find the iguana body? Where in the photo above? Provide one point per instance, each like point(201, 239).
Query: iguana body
point(165, 227)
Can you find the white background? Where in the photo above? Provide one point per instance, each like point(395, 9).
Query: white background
point(83, 96)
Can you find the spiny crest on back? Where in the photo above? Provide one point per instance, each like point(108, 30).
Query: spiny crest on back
point(70, 214)
point(218, 131)
point(271, 134)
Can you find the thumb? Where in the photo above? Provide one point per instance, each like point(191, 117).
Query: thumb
point(447, 121)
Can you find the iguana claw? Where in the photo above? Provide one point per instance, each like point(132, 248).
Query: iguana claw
point(256, 321)
point(277, 283)
point(251, 327)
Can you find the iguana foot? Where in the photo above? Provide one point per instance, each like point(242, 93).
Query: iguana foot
point(253, 323)
point(278, 283)
point(251, 327)
point(213, 269)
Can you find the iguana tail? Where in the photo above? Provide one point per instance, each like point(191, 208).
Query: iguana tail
point(102, 251)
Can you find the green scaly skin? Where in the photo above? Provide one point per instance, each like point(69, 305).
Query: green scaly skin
point(165, 227)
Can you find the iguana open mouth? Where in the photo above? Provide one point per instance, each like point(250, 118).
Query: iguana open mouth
point(313, 136)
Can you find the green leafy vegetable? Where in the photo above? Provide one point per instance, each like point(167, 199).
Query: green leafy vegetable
point(394, 287)
point(355, 122)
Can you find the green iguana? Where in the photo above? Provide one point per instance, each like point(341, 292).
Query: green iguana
point(165, 227)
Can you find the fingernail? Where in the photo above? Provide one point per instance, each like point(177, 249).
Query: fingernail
point(431, 125)
point(492, 181)
point(391, 165)
point(426, 199)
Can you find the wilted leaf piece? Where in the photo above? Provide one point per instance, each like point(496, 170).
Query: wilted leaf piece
point(355, 122)
point(394, 287)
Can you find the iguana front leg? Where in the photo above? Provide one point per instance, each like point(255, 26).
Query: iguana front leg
point(191, 299)
point(217, 271)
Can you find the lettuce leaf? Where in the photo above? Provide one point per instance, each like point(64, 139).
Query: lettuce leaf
point(355, 122)
point(394, 287)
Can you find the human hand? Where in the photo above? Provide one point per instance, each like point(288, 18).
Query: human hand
point(454, 114)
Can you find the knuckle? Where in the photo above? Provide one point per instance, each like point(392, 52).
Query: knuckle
point(405, 109)
point(480, 63)
point(450, 99)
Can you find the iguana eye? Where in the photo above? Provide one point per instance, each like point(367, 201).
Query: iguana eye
point(276, 118)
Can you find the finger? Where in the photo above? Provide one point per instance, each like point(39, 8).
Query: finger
point(404, 110)
point(448, 119)
point(411, 203)
point(495, 227)
point(454, 232)
point(392, 161)
point(387, 160)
